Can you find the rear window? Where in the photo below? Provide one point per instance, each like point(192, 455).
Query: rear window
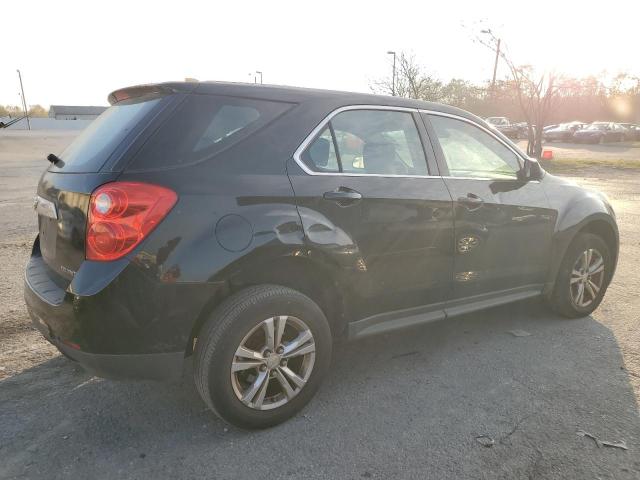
point(97, 142)
point(202, 127)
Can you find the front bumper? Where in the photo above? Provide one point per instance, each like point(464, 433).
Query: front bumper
point(586, 138)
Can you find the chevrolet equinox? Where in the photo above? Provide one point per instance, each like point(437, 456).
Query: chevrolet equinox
point(238, 229)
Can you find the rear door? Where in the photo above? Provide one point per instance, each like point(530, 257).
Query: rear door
point(370, 206)
point(503, 223)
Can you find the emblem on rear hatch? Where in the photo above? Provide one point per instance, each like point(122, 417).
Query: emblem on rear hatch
point(44, 207)
point(68, 271)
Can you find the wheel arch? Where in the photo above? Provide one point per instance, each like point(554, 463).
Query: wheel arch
point(604, 230)
point(600, 224)
point(313, 278)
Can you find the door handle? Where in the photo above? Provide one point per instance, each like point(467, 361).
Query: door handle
point(471, 201)
point(343, 196)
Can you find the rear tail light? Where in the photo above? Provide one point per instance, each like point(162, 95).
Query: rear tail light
point(121, 214)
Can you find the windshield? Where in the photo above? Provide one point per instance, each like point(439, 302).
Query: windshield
point(596, 126)
point(97, 142)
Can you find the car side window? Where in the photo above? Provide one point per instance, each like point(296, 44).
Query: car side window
point(321, 156)
point(379, 142)
point(469, 151)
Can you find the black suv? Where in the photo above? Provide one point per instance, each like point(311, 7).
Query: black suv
point(237, 229)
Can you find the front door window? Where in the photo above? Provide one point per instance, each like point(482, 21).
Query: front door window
point(471, 152)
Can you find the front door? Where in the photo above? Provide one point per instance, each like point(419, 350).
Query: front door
point(503, 223)
point(370, 208)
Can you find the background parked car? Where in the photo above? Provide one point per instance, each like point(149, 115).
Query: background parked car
point(633, 130)
point(523, 129)
point(503, 125)
point(563, 132)
point(601, 132)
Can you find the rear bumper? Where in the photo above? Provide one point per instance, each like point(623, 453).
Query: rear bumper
point(150, 366)
point(113, 319)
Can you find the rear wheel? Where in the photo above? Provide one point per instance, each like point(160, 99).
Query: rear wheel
point(262, 355)
point(583, 277)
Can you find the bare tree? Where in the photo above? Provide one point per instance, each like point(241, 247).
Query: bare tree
point(524, 95)
point(38, 111)
point(535, 93)
point(410, 82)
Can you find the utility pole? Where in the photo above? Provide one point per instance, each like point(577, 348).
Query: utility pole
point(24, 101)
point(496, 42)
point(259, 73)
point(495, 65)
point(393, 77)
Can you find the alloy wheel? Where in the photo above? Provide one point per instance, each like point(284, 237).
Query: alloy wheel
point(587, 278)
point(273, 362)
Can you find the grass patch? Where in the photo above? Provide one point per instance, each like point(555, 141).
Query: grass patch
point(565, 165)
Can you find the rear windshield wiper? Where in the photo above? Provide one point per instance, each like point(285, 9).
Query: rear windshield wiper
point(53, 158)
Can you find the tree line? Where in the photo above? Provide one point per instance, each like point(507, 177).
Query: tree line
point(538, 99)
point(13, 111)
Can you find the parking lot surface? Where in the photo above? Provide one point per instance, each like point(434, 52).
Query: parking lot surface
point(464, 398)
point(608, 151)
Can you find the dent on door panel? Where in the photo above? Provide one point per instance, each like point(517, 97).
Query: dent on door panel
point(503, 243)
point(393, 246)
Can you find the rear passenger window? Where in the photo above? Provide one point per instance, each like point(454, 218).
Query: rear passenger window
point(203, 126)
point(379, 142)
point(321, 154)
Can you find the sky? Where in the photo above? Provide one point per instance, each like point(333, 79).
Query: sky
point(76, 52)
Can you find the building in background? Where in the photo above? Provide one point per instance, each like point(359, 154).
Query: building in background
point(70, 112)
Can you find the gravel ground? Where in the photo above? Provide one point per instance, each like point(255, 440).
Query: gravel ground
point(416, 404)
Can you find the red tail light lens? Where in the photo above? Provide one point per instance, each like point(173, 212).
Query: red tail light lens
point(121, 214)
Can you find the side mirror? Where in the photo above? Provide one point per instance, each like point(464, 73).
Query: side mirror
point(532, 170)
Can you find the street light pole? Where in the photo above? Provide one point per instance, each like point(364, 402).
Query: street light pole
point(393, 77)
point(24, 101)
point(259, 73)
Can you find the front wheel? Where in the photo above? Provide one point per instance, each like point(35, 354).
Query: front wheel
point(583, 277)
point(262, 355)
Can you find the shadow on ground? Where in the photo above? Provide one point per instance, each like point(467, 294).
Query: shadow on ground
point(404, 405)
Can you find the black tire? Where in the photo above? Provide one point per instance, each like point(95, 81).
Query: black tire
point(223, 333)
point(560, 299)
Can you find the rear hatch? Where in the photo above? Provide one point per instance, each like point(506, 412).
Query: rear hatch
point(65, 188)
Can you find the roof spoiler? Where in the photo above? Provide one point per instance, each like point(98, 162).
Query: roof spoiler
point(143, 90)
